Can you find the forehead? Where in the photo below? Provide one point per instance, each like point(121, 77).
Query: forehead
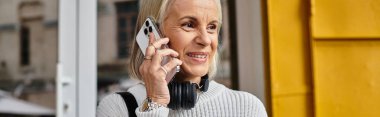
point(195, 8)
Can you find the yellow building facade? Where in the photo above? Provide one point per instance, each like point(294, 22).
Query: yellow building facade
point(324, 57)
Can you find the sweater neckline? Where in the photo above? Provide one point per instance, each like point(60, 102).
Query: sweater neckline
point(214, 90)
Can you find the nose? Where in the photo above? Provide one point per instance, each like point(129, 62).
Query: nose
point(203, 38)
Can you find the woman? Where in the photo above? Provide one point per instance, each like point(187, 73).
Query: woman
point(191, 29)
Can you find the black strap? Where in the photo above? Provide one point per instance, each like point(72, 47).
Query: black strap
point(130, 101)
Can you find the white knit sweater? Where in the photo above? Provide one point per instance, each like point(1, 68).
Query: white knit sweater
point(218, 101)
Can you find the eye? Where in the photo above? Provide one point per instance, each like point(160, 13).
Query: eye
point(211, 28)
point(188, 25)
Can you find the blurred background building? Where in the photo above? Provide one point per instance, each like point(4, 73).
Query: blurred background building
point(28, 50)
point(302, 58)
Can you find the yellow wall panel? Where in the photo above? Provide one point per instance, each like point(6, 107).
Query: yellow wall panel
point(347, 78)
point(345, 18)
point(293, 106)
point(345, 55)
point(287, 43)
point(289, 58)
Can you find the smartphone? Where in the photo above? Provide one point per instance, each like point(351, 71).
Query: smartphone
point(142, 39)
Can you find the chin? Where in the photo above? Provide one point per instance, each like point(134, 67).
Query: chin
point(198, 71)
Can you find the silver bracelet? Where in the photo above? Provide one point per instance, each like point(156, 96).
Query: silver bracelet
point(149, 105)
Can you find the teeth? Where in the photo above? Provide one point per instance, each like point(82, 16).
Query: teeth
point(197, 56)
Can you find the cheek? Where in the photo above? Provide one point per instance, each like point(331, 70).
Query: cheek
point(179, 40)
point(214, 43)
point(177, 45)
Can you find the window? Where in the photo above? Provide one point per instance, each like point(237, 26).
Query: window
point(28, 57)
point(24, 46)
point(126, 21)
point(116, 32)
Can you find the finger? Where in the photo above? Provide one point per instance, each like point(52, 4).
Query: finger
point(151, 38)
point(157, 57)
point(171, 66)
point(160, 42)
point(149, 52)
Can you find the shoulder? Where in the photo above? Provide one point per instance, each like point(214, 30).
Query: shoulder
point(114, 104)
point(111, 105)
point(247, 101)
point(241, 96)
point(139, 92)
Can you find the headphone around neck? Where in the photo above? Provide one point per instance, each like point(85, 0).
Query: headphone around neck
point(184, 94)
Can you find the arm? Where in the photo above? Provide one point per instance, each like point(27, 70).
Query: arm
point(114, 106)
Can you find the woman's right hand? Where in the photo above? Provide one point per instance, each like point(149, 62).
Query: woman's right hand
point(154, 74)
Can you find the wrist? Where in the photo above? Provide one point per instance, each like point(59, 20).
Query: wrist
point(149, 105)
point(163, 102)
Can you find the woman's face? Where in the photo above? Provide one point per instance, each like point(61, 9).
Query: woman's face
point(192, 28)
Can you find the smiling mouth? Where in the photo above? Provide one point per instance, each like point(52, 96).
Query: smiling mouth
point(200, 55)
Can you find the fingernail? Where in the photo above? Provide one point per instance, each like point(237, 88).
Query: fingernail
point(166, 40)
point(180, 62)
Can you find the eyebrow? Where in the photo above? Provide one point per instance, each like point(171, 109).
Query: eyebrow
point(189, 17)
point(215, 21)
point(195, 19)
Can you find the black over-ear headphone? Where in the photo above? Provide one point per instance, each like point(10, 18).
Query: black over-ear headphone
point(184, 94)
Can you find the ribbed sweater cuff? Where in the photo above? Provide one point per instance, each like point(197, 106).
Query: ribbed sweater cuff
point(159, 112)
